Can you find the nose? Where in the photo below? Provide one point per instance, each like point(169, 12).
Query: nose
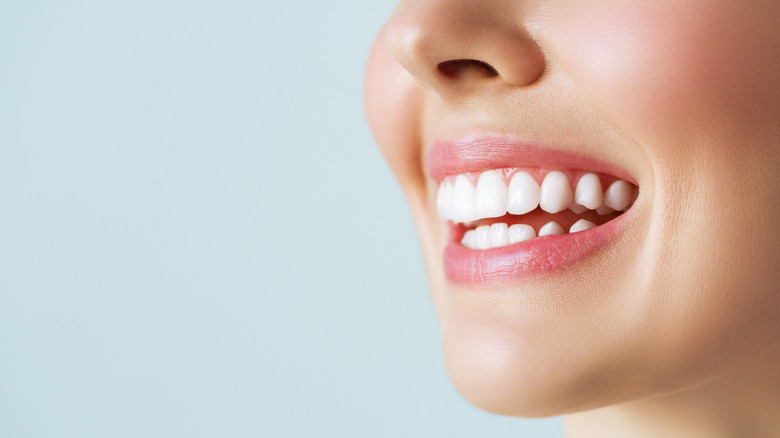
point(454, 46)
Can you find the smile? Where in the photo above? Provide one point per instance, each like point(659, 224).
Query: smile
point(499, 207)
point(549, 210)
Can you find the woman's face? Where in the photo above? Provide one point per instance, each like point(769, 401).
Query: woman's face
point(680, 99)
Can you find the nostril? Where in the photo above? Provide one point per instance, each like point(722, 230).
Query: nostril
point(456, 67)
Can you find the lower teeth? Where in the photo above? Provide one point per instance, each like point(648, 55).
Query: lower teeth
point(501, 234)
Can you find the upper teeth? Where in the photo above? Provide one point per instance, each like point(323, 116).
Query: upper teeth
point(555, 194)
point(459, 200)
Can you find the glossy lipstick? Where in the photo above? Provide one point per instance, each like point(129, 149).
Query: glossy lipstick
point(530, 258)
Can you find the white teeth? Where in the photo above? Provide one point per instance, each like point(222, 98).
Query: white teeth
point(469, 239)
point(551, 228)
point(589, 193)
point(523, 194)
point(460, 201)
point(555, 193)
point(520, 233)
point(490, 197)
point(618, 195)
point(444, 201)
point(463, 200)
point(581, 225)
point(499, 235)
point(483, 237)
point(496, 235)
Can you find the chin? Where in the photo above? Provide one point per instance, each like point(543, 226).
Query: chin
point(597, 200)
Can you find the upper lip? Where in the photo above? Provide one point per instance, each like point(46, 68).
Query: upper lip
point(485, 151)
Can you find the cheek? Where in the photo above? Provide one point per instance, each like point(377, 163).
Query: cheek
point(695, 84)
point(673, 67)
point(393, 102)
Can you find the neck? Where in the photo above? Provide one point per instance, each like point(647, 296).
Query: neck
point(744, 404)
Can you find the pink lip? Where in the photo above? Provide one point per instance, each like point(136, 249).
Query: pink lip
point(523, 260)
point(542, 255)
point(479, 152)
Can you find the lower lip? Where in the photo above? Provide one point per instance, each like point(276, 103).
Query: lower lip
point(524, 260)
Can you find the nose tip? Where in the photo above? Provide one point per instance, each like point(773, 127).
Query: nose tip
point(453, 46)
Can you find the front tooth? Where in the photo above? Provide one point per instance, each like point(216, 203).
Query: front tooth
point(551, 228)
point(444, 200)
point(523, 194)
point(499, 235)
point(521, 232)
point(589, 192)
point(555, 194)
point(490, 196)
point(469, 239)
point(618, 195)
point(463, 200)
point(581, 225)
point(482, 235)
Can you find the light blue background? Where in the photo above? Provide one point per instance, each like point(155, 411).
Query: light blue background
point(197, 235)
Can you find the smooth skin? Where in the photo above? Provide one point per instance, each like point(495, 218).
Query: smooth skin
point(674, 329)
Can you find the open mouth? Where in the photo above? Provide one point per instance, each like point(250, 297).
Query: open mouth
point(507, 206)
point(516, 209)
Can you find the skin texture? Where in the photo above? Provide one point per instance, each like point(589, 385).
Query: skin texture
point(672, 329)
